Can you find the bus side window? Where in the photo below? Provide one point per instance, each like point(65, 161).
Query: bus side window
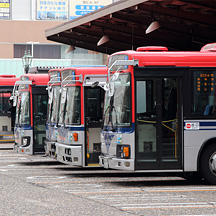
point(208, 110)
point(204, 100)
point(146, 99)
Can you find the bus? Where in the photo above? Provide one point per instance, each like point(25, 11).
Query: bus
point(160, 112)
point(7, 112)
point(80, 116)
point(30, 98)
point(53, 87)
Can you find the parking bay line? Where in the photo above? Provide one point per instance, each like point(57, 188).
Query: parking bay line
point(164, 207)
point(106, 181)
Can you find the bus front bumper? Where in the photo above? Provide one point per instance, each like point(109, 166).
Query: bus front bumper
point(68, 154)
point(50, 149)
point(116, 163)
point(22, 150)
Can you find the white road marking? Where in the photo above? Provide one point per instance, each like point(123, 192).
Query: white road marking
point(46, 177)
point(163, 205)
point(11, 165)
point(122, 198)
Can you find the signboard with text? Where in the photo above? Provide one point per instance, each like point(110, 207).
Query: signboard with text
point(52, 9)
point(5, 9)
point(82, 7)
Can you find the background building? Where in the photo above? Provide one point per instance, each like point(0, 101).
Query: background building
point(22, 29)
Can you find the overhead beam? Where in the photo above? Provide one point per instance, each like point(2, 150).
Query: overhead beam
point(211, 5)
point(94, 38)
point(84, 45)
point(105, 11)
point(182, 15)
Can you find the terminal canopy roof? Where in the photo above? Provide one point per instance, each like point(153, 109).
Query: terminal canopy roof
point(184, 25)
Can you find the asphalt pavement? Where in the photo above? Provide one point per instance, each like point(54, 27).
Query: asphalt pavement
point(37, 185)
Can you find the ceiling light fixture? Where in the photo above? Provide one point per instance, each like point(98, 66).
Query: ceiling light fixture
point(153, 26)
point(103, 40)
point(70, 49)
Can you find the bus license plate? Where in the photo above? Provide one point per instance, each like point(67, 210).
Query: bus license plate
point(106, 164)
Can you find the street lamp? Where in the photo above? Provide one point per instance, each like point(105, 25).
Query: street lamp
point(26, 61)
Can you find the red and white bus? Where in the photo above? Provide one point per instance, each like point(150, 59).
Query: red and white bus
point(80, 116)
point(160, 112)
point(7, 112)
point(53, 87)
point(30, 98)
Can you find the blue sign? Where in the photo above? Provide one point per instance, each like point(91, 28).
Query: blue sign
point(82, 7)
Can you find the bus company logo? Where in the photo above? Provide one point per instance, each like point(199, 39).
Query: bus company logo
point(192, 126)
point(188, 125)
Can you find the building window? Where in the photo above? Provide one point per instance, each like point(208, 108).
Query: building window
point(20, 49)
point(40, 51)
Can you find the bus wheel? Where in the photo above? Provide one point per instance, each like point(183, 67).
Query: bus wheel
point(208, 164)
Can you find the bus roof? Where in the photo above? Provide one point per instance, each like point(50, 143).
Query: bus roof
point(5, 81)
point(7, 76)
point(87, 70)
point(37, 79)
point(158, 56)
point(88, 75)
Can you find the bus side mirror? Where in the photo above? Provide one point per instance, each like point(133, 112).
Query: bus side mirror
point(14, 101)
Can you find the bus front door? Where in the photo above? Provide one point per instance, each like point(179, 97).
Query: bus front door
point(39, 119)
point(93, 118)
point(158, 122)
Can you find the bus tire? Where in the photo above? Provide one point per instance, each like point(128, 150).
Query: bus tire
point(208, 164)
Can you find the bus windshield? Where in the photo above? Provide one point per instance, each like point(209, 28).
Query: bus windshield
point(24, 109)
point(117, 108)
point(55, 104)
point(72, 109)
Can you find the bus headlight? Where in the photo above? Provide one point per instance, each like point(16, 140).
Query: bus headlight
point(25, 141)
point(123, 151)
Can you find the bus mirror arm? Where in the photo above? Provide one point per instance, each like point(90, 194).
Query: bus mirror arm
point(95, 84)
